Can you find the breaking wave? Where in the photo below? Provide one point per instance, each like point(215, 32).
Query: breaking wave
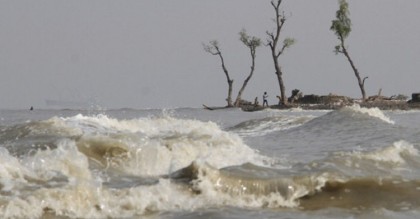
point(98, 167)
point(372, 112)
point(146, 146)
point(316, 185)
point(347, 120)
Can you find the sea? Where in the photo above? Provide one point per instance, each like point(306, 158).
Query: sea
point(196, 163)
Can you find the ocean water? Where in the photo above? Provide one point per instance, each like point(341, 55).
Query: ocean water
point(196, 163)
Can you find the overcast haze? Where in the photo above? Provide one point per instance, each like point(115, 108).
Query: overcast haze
point(148, 53)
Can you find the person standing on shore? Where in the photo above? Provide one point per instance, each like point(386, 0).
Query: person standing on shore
point(265, 102)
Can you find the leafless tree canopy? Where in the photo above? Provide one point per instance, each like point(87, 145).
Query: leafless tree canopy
point(273, 38)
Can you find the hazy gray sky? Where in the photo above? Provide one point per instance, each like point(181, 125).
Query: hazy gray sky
point(148, 53)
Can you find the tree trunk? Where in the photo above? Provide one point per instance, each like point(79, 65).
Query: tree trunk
point(229, 81)
point(279, 75)
point(239, 97)
point(356, 72)
point(273, 43)
point(282, 88)
point(229, 98)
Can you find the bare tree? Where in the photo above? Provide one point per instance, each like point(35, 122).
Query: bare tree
point(342, 28)
point(252, 43)
point(213, 48)
point(273, 43)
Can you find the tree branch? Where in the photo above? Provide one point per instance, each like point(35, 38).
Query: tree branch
point(281, 51)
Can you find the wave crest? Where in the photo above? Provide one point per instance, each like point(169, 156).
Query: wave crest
point(310, 191)
point(373, 112)
point(249, 185)
point(152, 146)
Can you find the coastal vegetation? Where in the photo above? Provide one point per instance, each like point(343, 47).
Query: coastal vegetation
point(252, 43)
point(341, 26)
point(276, 50)
point(214, 49)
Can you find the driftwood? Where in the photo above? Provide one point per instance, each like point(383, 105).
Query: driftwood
point(215, 108)
point(244, 107)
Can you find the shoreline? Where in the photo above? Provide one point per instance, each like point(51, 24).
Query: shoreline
point(332, 102)
point(380, 104)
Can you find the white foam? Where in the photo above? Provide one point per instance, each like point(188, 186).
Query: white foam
point(12, 173)
point(224, 188)
point(373, 112)
point(84, 201)
point(65, 160)
point(208, 184)
point(394, 153)
point(29, 177)
point(161, 145)
point(394, 156)
point(180, 142)
point(81, 195)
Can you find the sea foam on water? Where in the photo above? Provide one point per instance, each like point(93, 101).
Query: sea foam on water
point(373, 112)
point(98, 166)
